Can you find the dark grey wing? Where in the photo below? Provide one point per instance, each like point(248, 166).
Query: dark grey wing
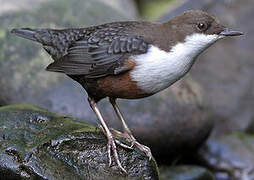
point(94, 52)
point(97, 57)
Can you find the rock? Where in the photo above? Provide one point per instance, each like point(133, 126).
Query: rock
point(250, 128)
point(185, 173)
point(230, 156)
point(226, 69)
point(172, 122)
point(38, 144)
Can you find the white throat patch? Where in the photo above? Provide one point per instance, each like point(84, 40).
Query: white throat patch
point(158, 69)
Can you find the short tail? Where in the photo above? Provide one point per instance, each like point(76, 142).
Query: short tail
point(26, 33)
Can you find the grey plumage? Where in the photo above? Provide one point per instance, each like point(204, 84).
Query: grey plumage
point(93, 52)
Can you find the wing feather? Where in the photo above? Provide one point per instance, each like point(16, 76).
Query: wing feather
point(96, 57)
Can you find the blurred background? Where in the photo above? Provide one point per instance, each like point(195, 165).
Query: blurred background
point(215, 100)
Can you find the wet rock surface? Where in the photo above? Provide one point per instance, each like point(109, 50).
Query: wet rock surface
point(185, 173)
point(38, 144)
point(230, 156)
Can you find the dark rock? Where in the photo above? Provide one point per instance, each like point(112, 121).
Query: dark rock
point(172, 122)
point(226, 69)
point(185, 173)
point(250, 128)
point(230, 157)
point(38, 144)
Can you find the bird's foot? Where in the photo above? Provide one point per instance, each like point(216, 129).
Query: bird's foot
point(130, 138)
point(116, 140)
point(111, 146)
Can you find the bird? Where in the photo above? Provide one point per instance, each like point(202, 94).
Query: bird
point(128, 60)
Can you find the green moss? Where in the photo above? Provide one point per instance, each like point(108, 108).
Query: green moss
point(22, 107)
point(2, 33)
point(242, 135)
point(153, 9)
point(26, 126)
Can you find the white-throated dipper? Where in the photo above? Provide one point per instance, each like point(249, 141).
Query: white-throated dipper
point(128, 59)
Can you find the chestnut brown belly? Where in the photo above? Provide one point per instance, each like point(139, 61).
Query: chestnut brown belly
point(119, 86)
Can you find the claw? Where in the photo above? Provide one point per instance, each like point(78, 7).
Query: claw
point(144, 149)
point(129, 138)
point(132, 144)
point(127, 135)
point(123, 145)
point(112, 146)
point(117, 158)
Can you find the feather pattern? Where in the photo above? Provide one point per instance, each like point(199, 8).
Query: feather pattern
point(93, 52)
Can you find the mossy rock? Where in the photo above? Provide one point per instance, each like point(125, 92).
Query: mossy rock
point(38, 144)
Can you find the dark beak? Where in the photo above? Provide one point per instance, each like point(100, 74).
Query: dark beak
point(229, 32)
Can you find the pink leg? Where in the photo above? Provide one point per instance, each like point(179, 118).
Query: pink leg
point(111, 142)
point(127, 135)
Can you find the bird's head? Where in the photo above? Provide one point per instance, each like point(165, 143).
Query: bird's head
point(199, 30)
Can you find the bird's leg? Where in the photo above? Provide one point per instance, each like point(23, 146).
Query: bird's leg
point(127, 133)
point(117, 141)
point(111, 142)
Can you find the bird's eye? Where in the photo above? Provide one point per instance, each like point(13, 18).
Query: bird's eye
point(202, 26)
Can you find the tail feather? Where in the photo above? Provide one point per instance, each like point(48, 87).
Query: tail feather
point(26, 33)
point(55, 42)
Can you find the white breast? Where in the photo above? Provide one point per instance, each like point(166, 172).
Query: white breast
point(158, 69)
